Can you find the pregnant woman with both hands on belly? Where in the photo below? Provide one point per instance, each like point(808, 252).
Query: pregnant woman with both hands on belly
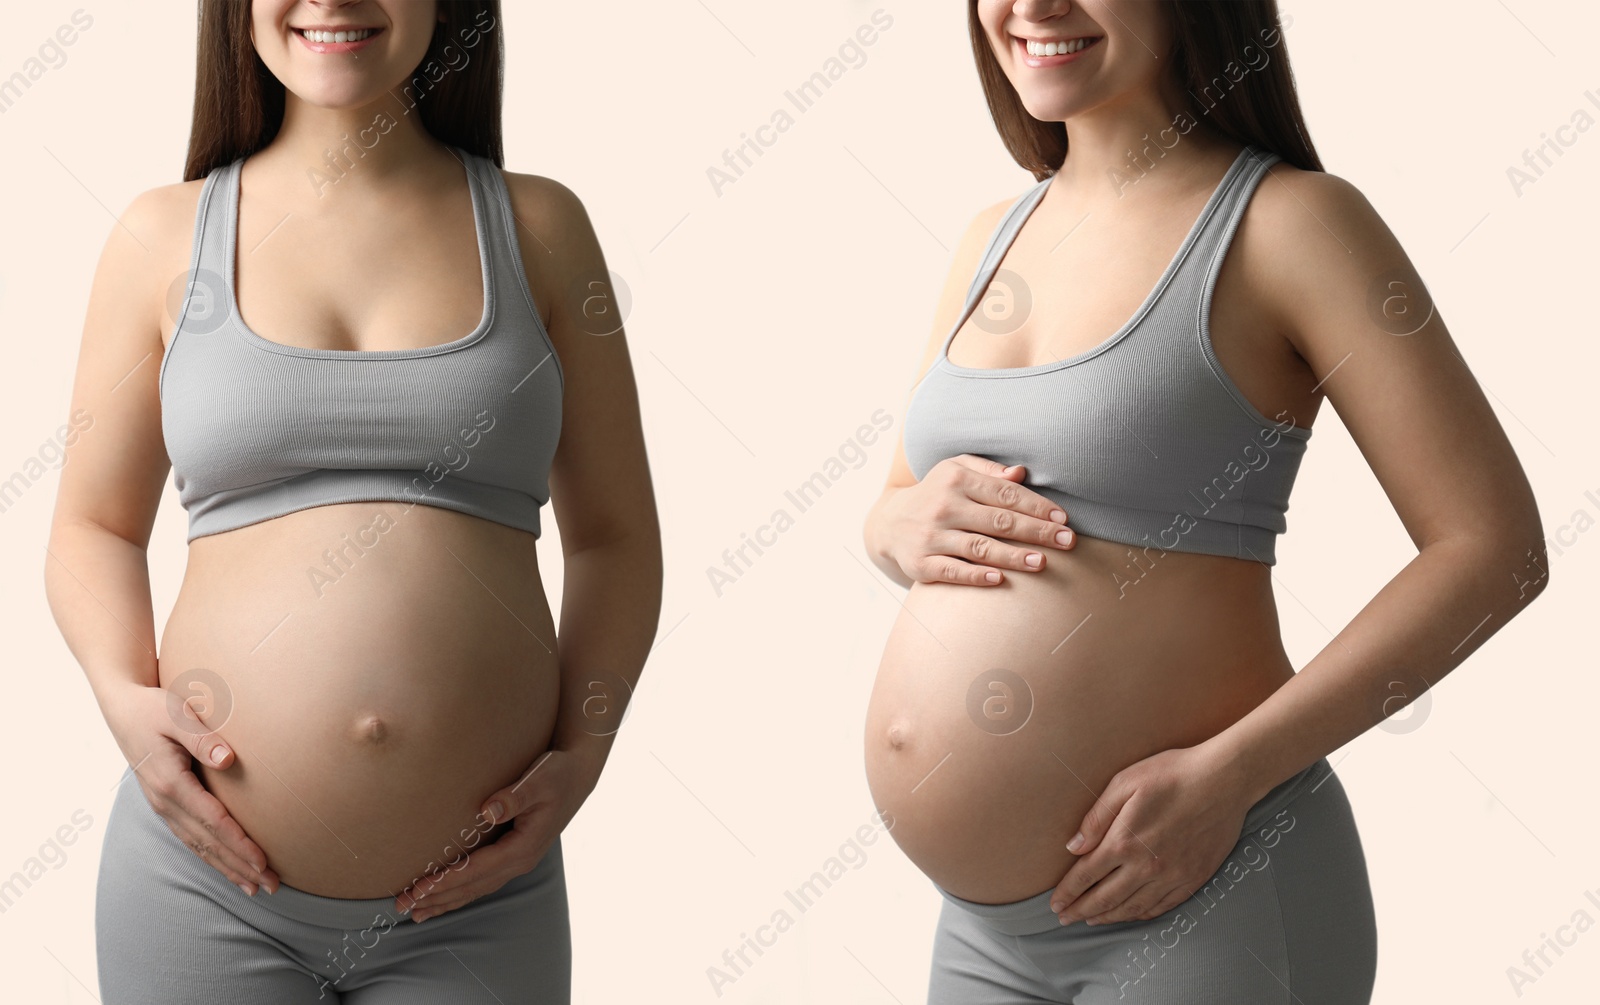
point(352, 761)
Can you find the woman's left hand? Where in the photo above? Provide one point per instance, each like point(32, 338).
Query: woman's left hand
point(1158, 833)
point(540, 804)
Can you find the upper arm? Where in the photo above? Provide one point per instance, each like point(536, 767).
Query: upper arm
point(600, 478)
point(963, 266)
point(1344, 293)
point(118, 463)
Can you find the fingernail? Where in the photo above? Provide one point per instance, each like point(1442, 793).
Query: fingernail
point(1056, 907)
point(991, 577)
point(1064, 537)
point(1075, 843)
point(1033, 560)
point(495, 811)
point(1056, 516)
point(1066, 920)
point(1089, 921)
point(218, 753)
point(246, 888)
point(419, 917)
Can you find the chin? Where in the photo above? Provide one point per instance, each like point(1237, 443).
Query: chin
point(1053, 107)
point(334, 99)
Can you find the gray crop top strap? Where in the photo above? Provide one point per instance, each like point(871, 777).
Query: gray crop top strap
point(1143, 439)
point(256, 429)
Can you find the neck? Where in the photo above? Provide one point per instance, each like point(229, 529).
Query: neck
point(374, 143)
point(1115, 146)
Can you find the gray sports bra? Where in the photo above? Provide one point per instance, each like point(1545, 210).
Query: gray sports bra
point(256, 429)
point(1143, 439)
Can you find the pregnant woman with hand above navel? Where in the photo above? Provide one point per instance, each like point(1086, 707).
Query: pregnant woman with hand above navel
point(1085, 726)
point(370, 357)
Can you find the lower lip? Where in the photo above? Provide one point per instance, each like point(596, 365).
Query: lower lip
point(1064, 58)
point(336, 48)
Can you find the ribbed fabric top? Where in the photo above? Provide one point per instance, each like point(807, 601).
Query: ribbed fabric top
point(1143, 439)
point(256, 429)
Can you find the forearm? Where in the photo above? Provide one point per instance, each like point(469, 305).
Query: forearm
point(610, 609)
point(1425, 622)
point(98, 587)
point(877, 548)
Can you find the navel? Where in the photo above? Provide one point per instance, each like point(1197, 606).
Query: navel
point(372, 729)
point(899, 734)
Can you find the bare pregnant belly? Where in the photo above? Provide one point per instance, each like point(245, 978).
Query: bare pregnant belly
point(999, 714)
point(379, 671)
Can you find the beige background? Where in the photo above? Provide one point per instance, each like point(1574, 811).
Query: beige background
point(772, 321)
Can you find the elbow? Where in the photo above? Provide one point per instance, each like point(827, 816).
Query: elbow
point(1535, 560)
point(1526, 553)
point(1534, 547)
point(1505, 563)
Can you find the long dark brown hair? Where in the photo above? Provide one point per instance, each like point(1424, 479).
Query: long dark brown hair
point(238, 103)
point(1211, 60)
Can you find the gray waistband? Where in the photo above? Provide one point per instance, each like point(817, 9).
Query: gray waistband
point(133, 811)
point(1033, 915)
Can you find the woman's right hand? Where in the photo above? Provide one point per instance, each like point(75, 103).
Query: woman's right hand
point(158, 735)
point(967, 519)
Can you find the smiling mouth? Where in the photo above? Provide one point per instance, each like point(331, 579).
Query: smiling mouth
point(1063, 47)
point(333, 37)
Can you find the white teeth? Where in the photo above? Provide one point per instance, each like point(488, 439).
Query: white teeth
point(1056, 48)
point(336, 36)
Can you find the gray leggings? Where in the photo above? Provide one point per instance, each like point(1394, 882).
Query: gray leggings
point(171, 930)
point(1287, 919)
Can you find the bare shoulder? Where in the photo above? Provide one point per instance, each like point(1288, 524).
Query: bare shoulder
point(964, 263)
point(983, 225)
point(989, 217)
point(968, 253)
point(163, 218)
point(1310, 238)
point(964, 266)
point(139, 284)
point(1314, 207)
point(560, 251)
point(551, 211)
point(147, 253)
point(953, 296)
